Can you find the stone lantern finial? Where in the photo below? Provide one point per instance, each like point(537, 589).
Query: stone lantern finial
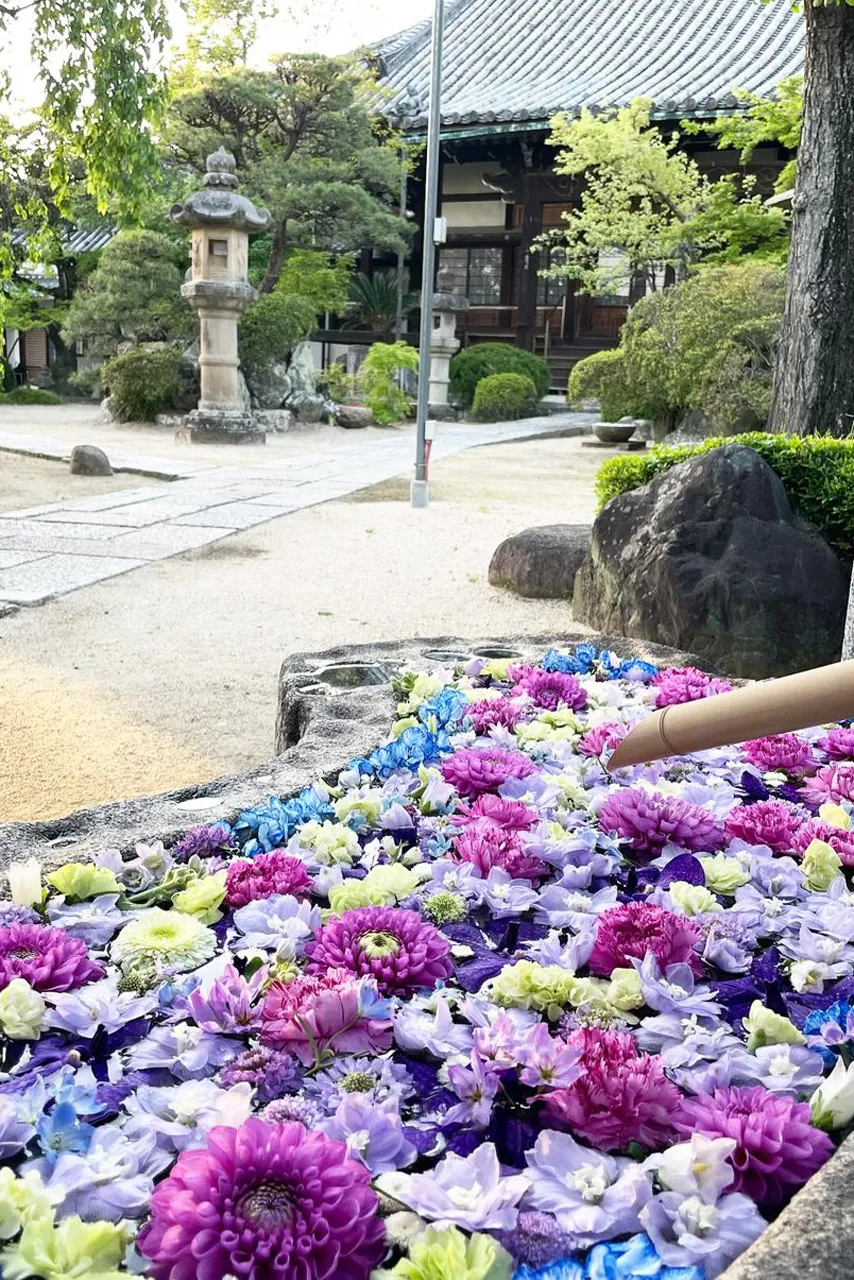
point(221, 169)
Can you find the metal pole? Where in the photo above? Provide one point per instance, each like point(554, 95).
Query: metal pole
point(419, 491)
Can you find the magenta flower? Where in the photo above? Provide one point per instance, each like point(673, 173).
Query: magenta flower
point(686, 684)
point(596, 740)
point(474, 771)
point(838, 744)
point(777, 1149)
point(635, 929)
point(313, 1016)
point(620, 1097)
point(649, 821)
point(493, 712)
point(508, 815)
point(395, 947)
point(485, 846)
point(231, 1004)
point(550, 689)
point(270, 873)
point(817, 829)
point(833, 781)
point(49, 959)
point(780, 751)
point(770, 822)
point(264, 1200)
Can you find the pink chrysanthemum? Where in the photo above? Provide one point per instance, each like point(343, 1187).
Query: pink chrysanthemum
point(686, 684)
point(492, 712)
point(596, 740)
point(649, 821)
point(485, 846)
point(549, 689)
point(395, 947)
point(817, 829)
point(838, 744)
point(777, 1148)
point(833, 781)
point(632, 929)
point(267, 1202)
point(508, 815)
point(780, 751)
point(472, 772)
point(621, 1097)
point(769, 822)
point(332, 1011)
point(249, 879)
point(49, 959)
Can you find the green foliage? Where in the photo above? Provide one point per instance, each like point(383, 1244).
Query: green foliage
point(778, 119)
point(30, 395)
point(817, 473)
point(479, 361)
point(337, 383)
point(373, 303)
point(133, 295)
point(601, 376)
point(324, 281)
point(378, 380)
point(220, 36)
point(272, 327)
point(646, 204)
point(144, 381)
point(7, 375)
point(501, 397)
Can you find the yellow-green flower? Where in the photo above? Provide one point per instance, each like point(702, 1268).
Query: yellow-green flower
point(692, 899)
point(497, 668)
point(384, 886)
point(368, 806)
point(624, 990)
point(81, 880)
point(400, 726)
point(202, 898)
point(71, 1250)
point(423, 688)
point(547, 988)
point(170, 938)
point(23, 1200)
point(332, 842)
point(821, 864)
point(447, 1254)
point(21, 1011)
point(532, 731)
point(835, 816)
point(763, 1026)
point(724, 874)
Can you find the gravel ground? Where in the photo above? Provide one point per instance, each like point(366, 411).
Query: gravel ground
point(30, 482)
point(168, 676)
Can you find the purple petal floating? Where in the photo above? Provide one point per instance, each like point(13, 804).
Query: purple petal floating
point(683, 867)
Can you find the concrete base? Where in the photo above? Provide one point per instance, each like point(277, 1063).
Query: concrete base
point(211, 426)
point(442, 413)
point(627, 446)
point(419, 493)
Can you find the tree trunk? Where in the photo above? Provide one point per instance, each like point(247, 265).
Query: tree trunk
point(275, 262)
point(814, 380)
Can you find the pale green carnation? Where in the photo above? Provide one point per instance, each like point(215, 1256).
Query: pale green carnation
point(23, 1199)
point(69, 1250)
point(202, 898)
point(21, 1011)
point(763, 1026)
point(78, 881)
point(693, 899)
point(170, 938)
point(332, 842)
point(821, 864)
point(547, 988)
point(724, 874)
point(447, 1254)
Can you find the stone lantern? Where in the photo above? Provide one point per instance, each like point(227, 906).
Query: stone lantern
point(218, 288)
point(444, 343)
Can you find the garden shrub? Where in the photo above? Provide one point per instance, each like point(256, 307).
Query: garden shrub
point(7, 375)
point(273, 326)
point(601, 377)
point(378, 380)
point(30, 395)
point(504, 396)
point(485, 358)
point(817, 473)
point(144, 381)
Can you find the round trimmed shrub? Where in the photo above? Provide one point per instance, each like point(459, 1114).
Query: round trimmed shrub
point(601, 376)
point(468, 367)
point(144, 381)
point(504, 396)
point(30, 395)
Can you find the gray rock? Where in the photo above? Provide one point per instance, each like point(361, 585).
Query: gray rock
point(301, 370)
point(353, 416)
point(89, 460)
point(710, 557)
point(269, 385)
point(307, 407)
point(541, 563)
point(278, 420)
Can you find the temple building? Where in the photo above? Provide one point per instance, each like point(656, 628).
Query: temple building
point(509, 66)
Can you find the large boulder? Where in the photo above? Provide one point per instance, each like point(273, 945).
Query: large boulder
point(269, 385)
point(710, 557)
point(89, 460)
point(541, 563)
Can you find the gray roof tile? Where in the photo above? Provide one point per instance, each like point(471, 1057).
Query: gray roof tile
point(526, 59)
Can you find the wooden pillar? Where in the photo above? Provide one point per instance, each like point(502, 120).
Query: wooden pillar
point(532, 218)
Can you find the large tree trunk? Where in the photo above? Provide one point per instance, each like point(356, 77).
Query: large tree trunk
point(814, 382)
point(275, 262)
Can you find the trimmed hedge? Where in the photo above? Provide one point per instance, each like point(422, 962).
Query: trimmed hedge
point(817, 473)
point(30, 395)
point(504, 396)
point(144, 381)
point(472, 364)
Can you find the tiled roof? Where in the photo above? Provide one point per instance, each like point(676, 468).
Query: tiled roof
point(76, 241)
point(522, 60)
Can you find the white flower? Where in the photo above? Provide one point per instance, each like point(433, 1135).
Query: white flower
point(832, 1104)
point(25, 882)
point(696, 1168)
point(166, 937)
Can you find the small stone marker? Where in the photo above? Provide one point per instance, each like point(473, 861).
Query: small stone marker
point(89, 460)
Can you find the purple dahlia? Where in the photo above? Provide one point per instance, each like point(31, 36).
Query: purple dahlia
point(474, 771)
point(270, 873)
point(485, 846)
point(649, 821)
point(49, 959)
point(686, 684)
point(635, 929)
point(770, 822)
point(508, 815)
point(396, 947)
point(494, 712)
point(777, 1149)
point(550, 689)
point(834, 781)
point(267, 1201)
point(780, 751)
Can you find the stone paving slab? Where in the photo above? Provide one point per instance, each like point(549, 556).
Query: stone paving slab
point(38, 580)
point(10, 556)
point(235, 515)
point(11, 529)
point(36, 446)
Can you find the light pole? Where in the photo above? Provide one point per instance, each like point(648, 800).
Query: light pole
point(419, 491)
